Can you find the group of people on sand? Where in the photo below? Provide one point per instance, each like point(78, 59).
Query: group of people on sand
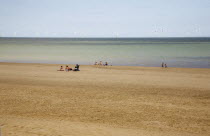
point(67, 69)
point(164, 65)
point(101, 64)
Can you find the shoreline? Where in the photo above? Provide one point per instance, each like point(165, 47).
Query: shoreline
point(99, 65)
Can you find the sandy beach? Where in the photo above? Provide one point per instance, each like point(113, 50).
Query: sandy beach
point(38, 100)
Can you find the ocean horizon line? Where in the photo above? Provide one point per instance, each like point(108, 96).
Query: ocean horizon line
point(109, 37)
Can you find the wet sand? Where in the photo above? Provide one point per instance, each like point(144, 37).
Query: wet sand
point(38, 100)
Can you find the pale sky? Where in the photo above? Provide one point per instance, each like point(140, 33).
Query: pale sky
point(104, 18)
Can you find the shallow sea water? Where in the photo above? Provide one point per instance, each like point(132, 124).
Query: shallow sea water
point(151, 52)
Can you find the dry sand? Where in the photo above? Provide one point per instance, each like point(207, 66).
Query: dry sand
point(37, 100)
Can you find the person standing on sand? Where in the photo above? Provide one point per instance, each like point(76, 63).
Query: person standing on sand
point(166, 65)
point(162, 65)
point(106, 63)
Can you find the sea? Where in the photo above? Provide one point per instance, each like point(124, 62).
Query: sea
point(148, 52)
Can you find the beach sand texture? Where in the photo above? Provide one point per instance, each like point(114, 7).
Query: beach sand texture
point(38, 100)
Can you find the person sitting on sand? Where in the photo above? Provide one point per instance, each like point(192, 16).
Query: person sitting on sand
point(100, 63)
point(96, 63)
point(61, 68)
point(67, 68)
point(76, 68)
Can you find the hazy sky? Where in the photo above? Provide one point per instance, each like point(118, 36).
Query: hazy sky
point(104, 18)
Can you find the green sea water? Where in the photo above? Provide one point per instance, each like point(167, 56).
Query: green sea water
point(176, 52)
